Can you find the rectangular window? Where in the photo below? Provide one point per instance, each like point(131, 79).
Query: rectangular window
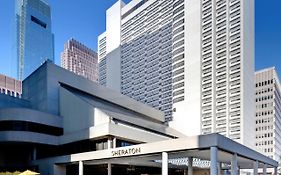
point(38, 21)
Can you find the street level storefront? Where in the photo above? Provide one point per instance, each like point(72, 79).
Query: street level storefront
point(222, 154)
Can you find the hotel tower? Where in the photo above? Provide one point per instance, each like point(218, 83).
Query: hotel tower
point(192, 59)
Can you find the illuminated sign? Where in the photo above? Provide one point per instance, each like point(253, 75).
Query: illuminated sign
point(125, 152)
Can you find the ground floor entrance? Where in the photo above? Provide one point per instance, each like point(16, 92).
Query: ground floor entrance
point(128, 170)
point(198, 155)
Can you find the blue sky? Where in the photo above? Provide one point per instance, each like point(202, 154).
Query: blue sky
point(85, 21)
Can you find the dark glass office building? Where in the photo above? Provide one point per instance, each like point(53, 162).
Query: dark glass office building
point(34, 37)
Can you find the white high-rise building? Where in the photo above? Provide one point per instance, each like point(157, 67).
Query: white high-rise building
point(268, 113)
point(227, 68)
point(193, 59)
point(138, 60)
point(102, 58)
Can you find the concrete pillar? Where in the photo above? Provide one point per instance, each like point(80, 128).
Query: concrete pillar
point(34, 154)
point(219, 168)
point(275, 171)
point(234, 165)
point(214, 161)
point(109, 145)
point(109, 170)
point(114, 142)
point(81, 168)
point(185, 171)
point(164, 163)
point(255, 167)
point(190, 165)
point(264, 169)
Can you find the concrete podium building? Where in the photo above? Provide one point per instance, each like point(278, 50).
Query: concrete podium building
point(66, 124)
point(61, 113)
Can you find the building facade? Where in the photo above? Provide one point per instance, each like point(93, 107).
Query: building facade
point(143, 49)
point(80, 59)
point(10, 86)
point(102, 59)
point(268, 113)
point(227, 68)
point(193, 59)
point(34, 37)
point(45, 122)
point(110, 134)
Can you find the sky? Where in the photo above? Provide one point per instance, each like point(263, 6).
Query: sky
point(84, 20)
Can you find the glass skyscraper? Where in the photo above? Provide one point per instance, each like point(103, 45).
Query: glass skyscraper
point(34, 40)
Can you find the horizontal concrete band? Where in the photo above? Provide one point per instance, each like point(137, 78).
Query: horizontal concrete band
point(194, 144)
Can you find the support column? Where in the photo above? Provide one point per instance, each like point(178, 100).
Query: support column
point(80, 168)
point(234, 165)
point(255, 167)
point(264, 169)
point(114, 142)
point(109, 170)
point(214, 161)
point(185, 171)
point(190, 165)
point(164, 163)
point(34, 155)
point(275, 171)
point(219, 168)
point(109, 145)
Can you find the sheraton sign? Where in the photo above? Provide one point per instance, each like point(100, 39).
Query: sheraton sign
point(125, 152)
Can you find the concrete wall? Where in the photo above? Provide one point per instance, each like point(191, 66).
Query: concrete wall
point(187, 114)
point(42, 90)
point(35, 90)
point(9, 101)
point(113, 26)
point(113, 70)
point(248, 74)
point(76, 113)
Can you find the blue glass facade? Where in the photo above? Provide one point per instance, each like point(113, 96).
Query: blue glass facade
point(35, 40)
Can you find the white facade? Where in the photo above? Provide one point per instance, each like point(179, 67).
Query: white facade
point(268, 113)
point(216, 69)
point(186, 67)
point(227, 57)
point(194, 60)
point(102, 58)
point(110, 49)
point(145, 52)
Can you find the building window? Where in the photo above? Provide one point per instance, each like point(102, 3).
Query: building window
point(39, 22)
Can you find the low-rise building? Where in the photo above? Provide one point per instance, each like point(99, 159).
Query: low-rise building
point(61, 113)
point(10, 86)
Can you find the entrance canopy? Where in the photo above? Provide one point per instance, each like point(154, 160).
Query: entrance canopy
point(203, 150)
point(195, 146)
